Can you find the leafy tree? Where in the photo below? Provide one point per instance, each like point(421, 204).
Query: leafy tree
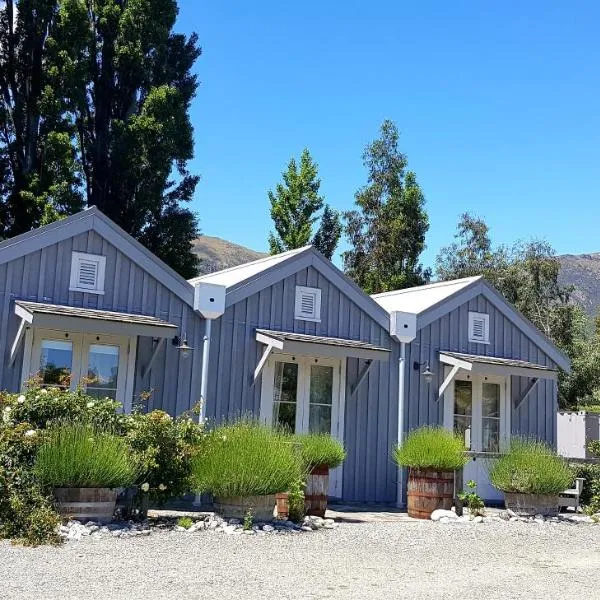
point(94, 110)
point(39, 177)
point(295, 206)
point(387, 230)
point(526, 274)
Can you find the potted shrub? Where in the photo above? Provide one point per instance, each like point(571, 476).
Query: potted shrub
point(84, 465)
point(432, 455)
point(531, 476)
point(319, 452)
point(243, 465)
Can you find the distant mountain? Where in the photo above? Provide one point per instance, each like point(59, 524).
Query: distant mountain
point(216, 254)
point(583, 272)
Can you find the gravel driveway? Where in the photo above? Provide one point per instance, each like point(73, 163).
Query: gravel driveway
point(363, 561)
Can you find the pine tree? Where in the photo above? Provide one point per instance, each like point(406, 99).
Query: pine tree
point(387, 230)
point(295, 206)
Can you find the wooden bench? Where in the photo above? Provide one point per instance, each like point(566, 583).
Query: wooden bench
point(570, 497)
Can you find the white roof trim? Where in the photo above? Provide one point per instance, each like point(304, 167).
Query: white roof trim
point(94, 219)
point(253, 277)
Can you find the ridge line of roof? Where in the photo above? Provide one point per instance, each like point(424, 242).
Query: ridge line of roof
point(428, 286)
point(271, 257)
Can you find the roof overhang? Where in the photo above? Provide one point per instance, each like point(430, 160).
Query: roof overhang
point(69, 318)
point(314, 345)
point(491, 365)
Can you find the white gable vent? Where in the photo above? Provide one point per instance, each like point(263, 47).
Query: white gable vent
point(87, 273)
point(479, 328)
point(308, 303)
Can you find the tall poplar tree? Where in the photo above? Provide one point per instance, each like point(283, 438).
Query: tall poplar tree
point(94, 110)
point(387, 229)
point(295, 210)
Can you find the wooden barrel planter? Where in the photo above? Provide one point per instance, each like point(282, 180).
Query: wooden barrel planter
point(86, 504)
point(429, 490)
point(529, 505)
point(317, 491)
point(262, 507)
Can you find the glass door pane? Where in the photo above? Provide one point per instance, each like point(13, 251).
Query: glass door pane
point(56, 363)
point(463, 410)
point(490, 417)
point(285, 395)
point(320, 399)
point(102, 371)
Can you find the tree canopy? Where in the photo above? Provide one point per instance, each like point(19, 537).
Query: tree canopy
point(94, 111)
point(387, 230)
point(295, 210)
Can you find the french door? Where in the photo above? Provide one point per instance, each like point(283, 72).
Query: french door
point(305, 395)
point(97, 363)
point(477, 408)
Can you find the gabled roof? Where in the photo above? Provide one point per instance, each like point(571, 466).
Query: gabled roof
point(415, 300)
point(250, 278)
point(94, 219)
point(430, 302)
point(233, 275)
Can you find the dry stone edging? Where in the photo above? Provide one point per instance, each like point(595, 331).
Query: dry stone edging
point(75, 530)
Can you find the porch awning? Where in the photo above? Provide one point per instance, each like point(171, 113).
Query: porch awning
point(492, 365)
point(54, 316)
point(316, 345)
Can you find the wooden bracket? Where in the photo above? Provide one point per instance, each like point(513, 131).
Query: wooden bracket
point(526, 392)
point(361, 377)
point(153, 357)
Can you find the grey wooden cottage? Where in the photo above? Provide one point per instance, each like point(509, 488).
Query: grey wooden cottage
point(288, 338)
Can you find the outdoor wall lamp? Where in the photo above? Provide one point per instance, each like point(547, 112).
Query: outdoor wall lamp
point(182, 345)
point(427, 373)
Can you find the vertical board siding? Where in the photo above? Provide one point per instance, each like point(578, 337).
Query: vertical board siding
point(536, 416)
point(44, 276)
point(370, 414)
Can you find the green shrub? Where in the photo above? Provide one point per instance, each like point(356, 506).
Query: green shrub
point(296, 506)
point(472, 499)
point(79, 455)
point(245, 459)
point(163, 448)
point(185, 522)
point(590, 495)
point(41, 407)
point(320, 449)
point(431, 448)
point(26, 512)
point(594, 448)
point(530, 467)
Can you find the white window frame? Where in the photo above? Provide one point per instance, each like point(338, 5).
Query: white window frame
point(304, 290)
point(476, 417)
point(303, 401)
point(81, 344)
point(76, 259)
point(486, 326)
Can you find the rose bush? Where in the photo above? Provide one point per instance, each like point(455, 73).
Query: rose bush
point(162, 447)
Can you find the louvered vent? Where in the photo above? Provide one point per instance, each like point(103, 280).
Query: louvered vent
point(87, 273)
point(479, 328)
point(308, 303)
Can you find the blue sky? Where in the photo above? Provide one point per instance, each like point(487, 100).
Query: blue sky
point(497, 104)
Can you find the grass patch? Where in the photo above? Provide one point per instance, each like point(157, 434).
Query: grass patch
point(318, 449)
point(431, 448)
point(246, 459)
point(78, 455)
point(530, 467)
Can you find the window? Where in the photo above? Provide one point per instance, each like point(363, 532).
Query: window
point(97, 363)
point(87, 273)
point(479, 328)
point(463, 410)
point(308, 304)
